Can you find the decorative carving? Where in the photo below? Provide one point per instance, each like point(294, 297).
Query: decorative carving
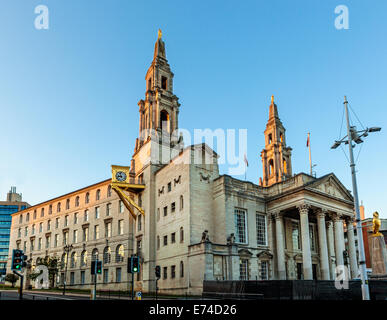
point(204, 177)
point(265, 255)
point(322, 212)
point(161, 191)
point(176, 181)
point(205, 237)
point(276, 215)
point(231, 239)
point(244, 252)
point(303, 207)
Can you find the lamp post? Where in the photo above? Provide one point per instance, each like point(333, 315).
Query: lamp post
point(354, 135)
point(67, 249)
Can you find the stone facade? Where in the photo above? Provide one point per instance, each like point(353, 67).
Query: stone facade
point(200, 225)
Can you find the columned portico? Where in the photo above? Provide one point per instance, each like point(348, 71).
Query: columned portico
point(305, 240)
point(352, 248)
point(279, 232)
point(322, 238)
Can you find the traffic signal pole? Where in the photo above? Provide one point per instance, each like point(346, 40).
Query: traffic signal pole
point(21, 284)
point(132, 286)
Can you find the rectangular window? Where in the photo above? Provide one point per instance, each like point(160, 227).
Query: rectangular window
point(173, 272)
point(26, 231)
point(47, 242)
point(75, 218)
point(75, 236)
point(41, 227)
point(86, 216)
point(264, 270)
point(56, 223)
point(85, 234)
point(173, 237)
point(295, 236)
point(66, 221)
point(243, 269)
point(165, 240)
point(169, 187)
point(105, 275)
point(165, 272)
point(261, 229)
point(118, 274)
point(97, 212)
point(121, 206)
point(165, 211)
point(173, 207)
point(40, 244)
point(108, 209)
point(82, 277)
point(240, 225)
point(48, 225)
point(56, 241)
point(120, 226)
point(19, 233)
point(33, 229)
point(65, 238)
point(108, 230)
point(96, 232)
point(72, 278)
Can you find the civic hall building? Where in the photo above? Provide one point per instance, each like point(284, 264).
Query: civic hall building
point(197, 224)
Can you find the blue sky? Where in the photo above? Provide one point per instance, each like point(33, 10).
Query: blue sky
point(68, 95)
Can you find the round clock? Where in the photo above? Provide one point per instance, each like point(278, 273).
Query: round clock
point(121, 176)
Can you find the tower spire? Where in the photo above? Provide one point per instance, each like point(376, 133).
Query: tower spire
point(276, 157)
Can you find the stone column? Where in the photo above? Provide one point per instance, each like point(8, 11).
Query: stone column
point(322, 238)
point(339, 239)
point(331, 250)
point(352, 248)
point(305, 240)
point(279, 232)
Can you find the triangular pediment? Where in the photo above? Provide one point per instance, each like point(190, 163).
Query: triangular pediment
point(332, 186)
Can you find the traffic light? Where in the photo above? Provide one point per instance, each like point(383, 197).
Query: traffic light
point(17, 261)
point(93, 265)
point(99, 267)
point(24, 261)
point(158, 272)
point(130, 265)
point(135, 264)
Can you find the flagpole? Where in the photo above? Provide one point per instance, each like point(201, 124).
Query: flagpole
point(310, 155)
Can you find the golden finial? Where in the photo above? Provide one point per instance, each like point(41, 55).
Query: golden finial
point(272, 99)
point(160, 34)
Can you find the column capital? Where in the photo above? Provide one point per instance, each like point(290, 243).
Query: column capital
point(276, 214)
point(349, 219)
point(321, 212)
point(303, 207)
point(336, 216)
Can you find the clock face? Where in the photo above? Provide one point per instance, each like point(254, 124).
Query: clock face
point(121, 176)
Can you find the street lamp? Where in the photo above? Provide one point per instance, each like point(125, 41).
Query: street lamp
point(356, 136)
point(67, 249)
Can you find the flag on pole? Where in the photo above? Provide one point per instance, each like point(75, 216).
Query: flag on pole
point(247, 163)
point(307, 141)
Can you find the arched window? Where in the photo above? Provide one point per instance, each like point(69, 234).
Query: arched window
point(87, 198)
point(84, 258)
point(27, 217)
point(107, 253)
point(120, 253)
point(164, 121)
point(58, 207)
point(94, 255)
point(181, 234)
point(42, 212)
point(73, 262)
point(77, 201)
point(271, 167)
point(98, 195)
point(21, 218)
point(50, 209)
point(181, 269)
point(181, 202)
point(109, 191)
point(63, 260)
point(67, 204)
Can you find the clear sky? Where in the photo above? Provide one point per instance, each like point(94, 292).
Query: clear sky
point(68, 95)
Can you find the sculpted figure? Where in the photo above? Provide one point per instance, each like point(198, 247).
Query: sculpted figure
point(376, 225)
